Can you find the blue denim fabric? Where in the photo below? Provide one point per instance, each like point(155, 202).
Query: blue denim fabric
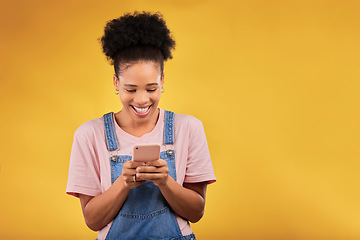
point(169, 127)
point(145, 213)
point(110, 134)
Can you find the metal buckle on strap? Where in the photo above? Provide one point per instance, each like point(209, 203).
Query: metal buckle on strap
point(170, 151)
point(114, 156)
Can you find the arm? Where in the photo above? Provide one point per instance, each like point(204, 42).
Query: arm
point(101, 210)
point(187, 201)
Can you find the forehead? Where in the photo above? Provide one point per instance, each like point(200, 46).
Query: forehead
point(143, 69)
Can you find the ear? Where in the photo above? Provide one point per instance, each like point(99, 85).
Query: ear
point(116, 82)
point(162, 80)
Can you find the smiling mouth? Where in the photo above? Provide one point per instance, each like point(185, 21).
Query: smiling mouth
point(141, 111)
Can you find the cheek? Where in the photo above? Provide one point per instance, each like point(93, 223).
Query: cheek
point(156, 97)
point(124, 98)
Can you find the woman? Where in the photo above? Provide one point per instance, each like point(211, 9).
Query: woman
point(123, 199)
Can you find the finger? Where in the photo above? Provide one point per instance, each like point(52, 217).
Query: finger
point(128, 172)
point(152, 169)
point(149, 169)
point(133, 164)
point(157, 163)
point(151, 176)
point(136, 164)
point(129, 179)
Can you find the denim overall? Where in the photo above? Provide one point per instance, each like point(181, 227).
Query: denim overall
point(145, 213)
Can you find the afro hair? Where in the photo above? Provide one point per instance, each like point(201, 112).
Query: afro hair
point(137, 36)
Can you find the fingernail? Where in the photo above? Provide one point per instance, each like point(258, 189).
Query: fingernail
point(138, 169)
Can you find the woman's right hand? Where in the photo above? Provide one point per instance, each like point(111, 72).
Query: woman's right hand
point(129, 174)
point(100, 210)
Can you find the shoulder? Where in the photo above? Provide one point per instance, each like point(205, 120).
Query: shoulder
point(189, 121)
point(183, 118)
point(90, 129)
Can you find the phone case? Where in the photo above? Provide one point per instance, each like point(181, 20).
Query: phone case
point(146, 152)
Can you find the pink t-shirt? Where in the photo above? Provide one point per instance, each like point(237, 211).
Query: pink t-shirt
point(89, 170)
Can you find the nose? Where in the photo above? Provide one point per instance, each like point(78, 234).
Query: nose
point(141, 98)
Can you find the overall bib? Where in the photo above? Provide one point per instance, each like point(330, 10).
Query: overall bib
point(145, 213)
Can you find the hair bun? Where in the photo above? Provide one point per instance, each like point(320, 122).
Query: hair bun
point(137, 29)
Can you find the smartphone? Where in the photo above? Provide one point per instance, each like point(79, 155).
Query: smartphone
point(146, 152)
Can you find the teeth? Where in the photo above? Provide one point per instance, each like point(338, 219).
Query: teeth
point(141, 110)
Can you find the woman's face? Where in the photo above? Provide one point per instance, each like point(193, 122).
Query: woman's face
point(139, 88)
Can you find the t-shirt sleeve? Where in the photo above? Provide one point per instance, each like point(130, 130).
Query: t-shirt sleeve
point(199, 167)
point(84, 176)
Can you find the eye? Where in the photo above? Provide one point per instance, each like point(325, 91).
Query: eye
point(152, 90)
point(130, 90)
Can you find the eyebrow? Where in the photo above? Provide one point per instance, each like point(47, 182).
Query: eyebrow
point(132, 85)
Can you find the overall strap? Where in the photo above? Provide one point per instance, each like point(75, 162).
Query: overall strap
point(110, 134)
point(169, 127)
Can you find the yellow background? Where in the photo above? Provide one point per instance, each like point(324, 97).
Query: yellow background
point(276, 84)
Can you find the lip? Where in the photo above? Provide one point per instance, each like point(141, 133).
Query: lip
point(141, 114)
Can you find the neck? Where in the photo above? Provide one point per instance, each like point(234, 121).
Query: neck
point(136, 128)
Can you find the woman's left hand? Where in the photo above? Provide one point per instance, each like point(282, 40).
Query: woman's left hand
point(155, 171)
